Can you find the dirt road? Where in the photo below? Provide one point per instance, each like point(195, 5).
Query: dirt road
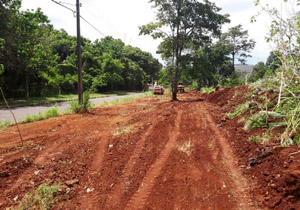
point(22, 112)
point(146, 154)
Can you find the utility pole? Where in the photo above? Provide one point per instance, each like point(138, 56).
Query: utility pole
point(79, 61)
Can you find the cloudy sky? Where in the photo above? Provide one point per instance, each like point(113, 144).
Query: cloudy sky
point(121, 19)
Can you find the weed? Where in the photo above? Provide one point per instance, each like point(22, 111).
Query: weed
point(52, 112)
point(236, 94)
point(44, 197)
point(254, 138)
point(38, 117)
point(4, 124)
point(126, 99)
point(121, 130)
point(207, 90)
point(262, 98)
point(259, 120)
point(84, 107)
point(293, 123)
point(146, 94)
point(28, 118)
point(186, 147)
point(242, 108)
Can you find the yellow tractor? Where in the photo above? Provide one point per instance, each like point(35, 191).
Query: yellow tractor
point(180, 87)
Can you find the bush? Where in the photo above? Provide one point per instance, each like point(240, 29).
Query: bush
point(84, 107)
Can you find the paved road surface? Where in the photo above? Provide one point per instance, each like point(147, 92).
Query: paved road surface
point(22, 112)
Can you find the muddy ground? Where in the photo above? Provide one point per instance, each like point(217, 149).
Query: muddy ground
point(151, 154)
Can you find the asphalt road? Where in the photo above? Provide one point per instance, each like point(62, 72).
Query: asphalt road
point(22, 112)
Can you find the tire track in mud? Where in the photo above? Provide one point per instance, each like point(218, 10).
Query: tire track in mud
point(58, 145)
point(241, 184)
point(41, 159)
point(116, 194)
point(138, 200)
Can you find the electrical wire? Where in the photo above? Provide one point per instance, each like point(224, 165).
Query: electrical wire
point(92, 26)
point(59, 3)
point(63, 6)
point(67, 3)
point(91, 9)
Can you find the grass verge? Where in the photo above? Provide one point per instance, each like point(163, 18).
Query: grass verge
point(36, 101)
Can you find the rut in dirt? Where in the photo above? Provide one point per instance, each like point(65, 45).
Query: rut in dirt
point(181, 161)
point(173, 156)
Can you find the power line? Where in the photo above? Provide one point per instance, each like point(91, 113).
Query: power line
point(91, 8)
point(67, 3)
point(92, 26)
point(63, 6)
point(59, 3)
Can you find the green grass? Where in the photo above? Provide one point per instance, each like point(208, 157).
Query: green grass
point(126, 99)
point(49, 113)
point(44, 197)
point(207, 90)
point(5, 124)
point(259, 120)
point(35, 101)
point(84, 107)
point(53, 112)
point(240, 109)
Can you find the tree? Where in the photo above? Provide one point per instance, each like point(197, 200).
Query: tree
point(238, 43)
point(259, 71)
point(180, 23)
point(273, 61)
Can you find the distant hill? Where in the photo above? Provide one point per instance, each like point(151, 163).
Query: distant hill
point(244, 69)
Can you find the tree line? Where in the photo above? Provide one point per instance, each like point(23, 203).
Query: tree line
point(38, 60)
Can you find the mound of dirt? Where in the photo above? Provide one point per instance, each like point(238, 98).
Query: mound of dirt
point(274, 170)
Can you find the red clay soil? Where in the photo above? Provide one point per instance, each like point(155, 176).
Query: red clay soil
point(273, 171)
point(149, 154)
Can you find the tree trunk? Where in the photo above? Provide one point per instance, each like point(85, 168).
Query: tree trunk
point(27, 86)
point(174, 90)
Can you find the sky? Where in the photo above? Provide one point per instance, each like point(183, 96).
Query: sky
point(121, 19)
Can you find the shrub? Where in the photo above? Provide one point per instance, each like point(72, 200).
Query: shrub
point(84, 107)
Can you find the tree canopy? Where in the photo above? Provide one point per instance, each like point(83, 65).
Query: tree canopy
point(181, 24)
point(238, 43)
point(36, 59)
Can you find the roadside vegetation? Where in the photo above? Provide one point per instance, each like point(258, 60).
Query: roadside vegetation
point(44, 100)
point(40, 61)
point(44, 197)
point(275, 86)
